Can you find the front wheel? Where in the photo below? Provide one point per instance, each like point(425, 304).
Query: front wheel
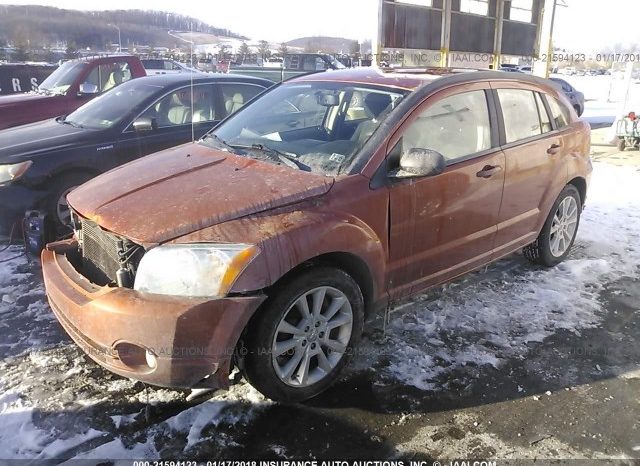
point(57, 206)
point(559, 231)
point(304, 336)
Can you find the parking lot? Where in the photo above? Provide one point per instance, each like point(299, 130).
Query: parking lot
point(512, 361)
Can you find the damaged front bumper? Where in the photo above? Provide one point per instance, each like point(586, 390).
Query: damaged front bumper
point(161, 340)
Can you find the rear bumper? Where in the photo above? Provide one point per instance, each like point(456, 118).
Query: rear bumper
point(161, 340)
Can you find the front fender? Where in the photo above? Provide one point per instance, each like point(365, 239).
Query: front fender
point(288, 239)
point(304, 236)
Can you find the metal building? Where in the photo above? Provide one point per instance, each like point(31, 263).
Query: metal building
point(468, 33)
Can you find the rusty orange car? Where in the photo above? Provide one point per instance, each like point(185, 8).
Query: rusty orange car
point(268, 243)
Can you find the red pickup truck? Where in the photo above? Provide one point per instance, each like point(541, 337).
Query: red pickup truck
point(70, 86)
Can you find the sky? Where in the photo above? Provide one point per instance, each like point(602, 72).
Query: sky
point(584, 25)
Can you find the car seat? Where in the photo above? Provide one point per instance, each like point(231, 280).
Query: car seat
point(115, 79)
point(180, 111)
point(374, 105)
point(235, 103)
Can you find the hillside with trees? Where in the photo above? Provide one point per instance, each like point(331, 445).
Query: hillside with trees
point(37, 26)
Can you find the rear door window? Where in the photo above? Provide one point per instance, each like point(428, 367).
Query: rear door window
point(184, 106)
point(520, 113)
point(457, 126)
point(292, 62)
point(235, 96)
point(106, 76)
point(314, 63)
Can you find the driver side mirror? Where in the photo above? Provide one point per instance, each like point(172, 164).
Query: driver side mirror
point(87, 89)
point(420, 162)
point(144, 124)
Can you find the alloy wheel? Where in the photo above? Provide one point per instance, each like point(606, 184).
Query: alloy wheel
point(62, 207)
point(563, 227)
point(312, 336)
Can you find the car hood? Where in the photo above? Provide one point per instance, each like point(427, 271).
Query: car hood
point(179, 191)
point(13, 100)
point(27, 141)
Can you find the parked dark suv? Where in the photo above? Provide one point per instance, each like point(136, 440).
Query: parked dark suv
point(268, 243)
point(40, 163)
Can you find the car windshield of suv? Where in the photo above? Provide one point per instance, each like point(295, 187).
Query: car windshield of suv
point(317, 127)
point(111, 107)
point(62, 78)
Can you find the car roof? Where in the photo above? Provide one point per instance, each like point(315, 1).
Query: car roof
point(412, 79)
point(178, 79)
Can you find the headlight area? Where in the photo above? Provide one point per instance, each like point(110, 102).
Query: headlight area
point(14, 171)
point(193, 270)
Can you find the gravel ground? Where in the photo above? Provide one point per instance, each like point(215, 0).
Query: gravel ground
point(512, 361)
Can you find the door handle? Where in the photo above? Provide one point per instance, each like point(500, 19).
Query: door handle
point(554, 149)
point(488, 171)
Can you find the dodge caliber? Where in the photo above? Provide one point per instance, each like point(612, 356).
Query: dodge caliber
point(268, 243)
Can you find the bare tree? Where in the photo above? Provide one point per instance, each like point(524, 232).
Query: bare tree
point(244, 50)
point(263, 49)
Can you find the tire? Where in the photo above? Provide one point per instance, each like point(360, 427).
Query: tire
point(60, 187)
point(621, 144)
point(545, 251)
point(282, 309)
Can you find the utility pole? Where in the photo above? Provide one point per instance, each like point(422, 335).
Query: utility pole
point(497, 38)
point(546, 22)
point(119, 39)
point(445, 37)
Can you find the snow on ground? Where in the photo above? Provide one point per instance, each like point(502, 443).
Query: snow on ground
point(54, 402)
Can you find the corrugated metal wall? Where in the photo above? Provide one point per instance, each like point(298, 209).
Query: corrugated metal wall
point(415, 27)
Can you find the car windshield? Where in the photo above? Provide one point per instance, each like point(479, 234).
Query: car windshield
point(113, 106)
point(317, 127)
point(62, 78)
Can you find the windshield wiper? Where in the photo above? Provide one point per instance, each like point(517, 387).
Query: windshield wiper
point(283, 157)
point(64, 121)
point(220, 141)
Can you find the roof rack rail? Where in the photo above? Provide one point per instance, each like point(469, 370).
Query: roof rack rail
point(100, 55)
point(429, 70)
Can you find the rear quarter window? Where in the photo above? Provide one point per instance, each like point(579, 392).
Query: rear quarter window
point(560, 113)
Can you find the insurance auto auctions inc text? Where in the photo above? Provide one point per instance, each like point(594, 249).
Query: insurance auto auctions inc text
point(354, 463)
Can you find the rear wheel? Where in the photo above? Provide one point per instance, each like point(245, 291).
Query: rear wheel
point(559, 231)
point(304, 336)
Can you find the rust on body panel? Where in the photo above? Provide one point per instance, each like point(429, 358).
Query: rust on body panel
point(189, 188)
point(399, 236)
